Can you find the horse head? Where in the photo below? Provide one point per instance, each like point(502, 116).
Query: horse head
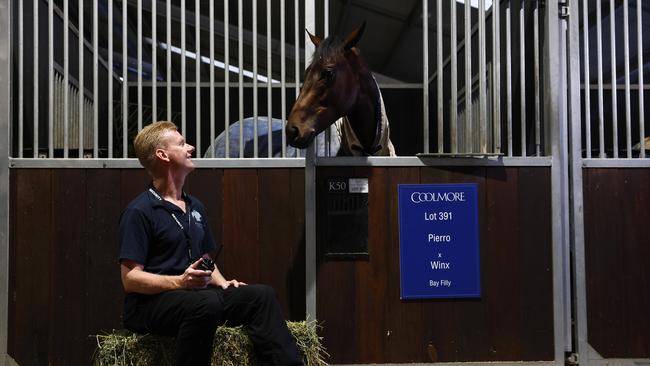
point(331, 87)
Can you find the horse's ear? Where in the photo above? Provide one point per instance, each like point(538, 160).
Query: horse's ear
point(354, 36)
point(314, 38)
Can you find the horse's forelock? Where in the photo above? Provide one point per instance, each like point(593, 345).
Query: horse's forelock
point(328, 50)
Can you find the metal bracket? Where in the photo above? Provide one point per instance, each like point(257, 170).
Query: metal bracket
point(563, 9)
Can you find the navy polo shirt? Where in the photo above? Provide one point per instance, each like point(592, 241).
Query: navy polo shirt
point(151, 236)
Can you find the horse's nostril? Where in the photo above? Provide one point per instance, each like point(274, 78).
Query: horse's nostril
point(292, 133)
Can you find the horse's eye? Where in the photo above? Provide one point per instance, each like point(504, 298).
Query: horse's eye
point(327, 75)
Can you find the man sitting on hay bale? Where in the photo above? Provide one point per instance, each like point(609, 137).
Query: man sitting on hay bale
point(166, 250)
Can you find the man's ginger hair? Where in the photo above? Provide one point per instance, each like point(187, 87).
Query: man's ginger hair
point(148, 140)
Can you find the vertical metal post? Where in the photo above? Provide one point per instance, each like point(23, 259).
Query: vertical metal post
point(125, 81)
point(555, 118)
point(614, 90)
point(425, 75)
point(439, 76)
point(168, 59)
point(212, 126)
point(468, 77)
point(139, 60)
point(183, 71)
point(50, 78)
point(481, 78)
point(639, 47)
point(496, 81)
point(226, 75)
point(587, 79)
point(110, 22)
point(522, 78)
point(66, 76)
point(601, 103)
point(5, 151)
point(269, 78)
point(296, 26)
point(538, 140)
point(240, 64)
point(283, 75)
point(95, 103)
point(255, 83)
point(576, 184)
point(310, 187)
point(36, 51)
point(154, 61)
point(453, 110)
point(21, 78)
point(509, 79)
point(81, 78)
point(197, 74)
point(626, 59)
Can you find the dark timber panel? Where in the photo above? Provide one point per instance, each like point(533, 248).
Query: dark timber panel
point(617, 261)
point(358, 300)
point(64, 275)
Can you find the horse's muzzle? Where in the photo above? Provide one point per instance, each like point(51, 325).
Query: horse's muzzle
point(299, 139)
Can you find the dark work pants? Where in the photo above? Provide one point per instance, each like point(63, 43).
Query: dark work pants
point(192, 316)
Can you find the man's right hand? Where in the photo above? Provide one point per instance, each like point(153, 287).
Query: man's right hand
point(194, 277)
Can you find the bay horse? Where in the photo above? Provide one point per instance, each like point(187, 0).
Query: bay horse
point(339, 94)
point(339, 85)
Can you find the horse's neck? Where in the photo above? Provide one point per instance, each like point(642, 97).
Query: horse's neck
point(366, 113)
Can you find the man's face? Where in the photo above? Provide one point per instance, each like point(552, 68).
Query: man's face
point(178, 150)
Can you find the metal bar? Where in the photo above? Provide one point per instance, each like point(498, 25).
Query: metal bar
point(5, 152)
point(283, 75)
point(425, 75)
point(154, 62)
point(255, 86)
point(35, 21)
point(440, 105)
point(599, 52)
point(240, 63)
point(626, 58)
point(168, 59)
point(639, 47)
point(183, 72)
point(21, 77)
point(125, 78)
point(111, 23)
point(481, 78)
point(226, 75)
point(81, 78)
point(585, 47)
point(555, 118)
point(576, 183)
point(522, 78)
point(453, 110)
point(296, 25)
point(612, 39)
point(538, 112)
point(310, 190)
point(269, 78)
point(139, 60)
point(95, 49)
point(212, 126)
point(496, 81)
point(509, 79)
point(50, 78)
point(197, 73)
point(326, 17)
point(66, 76)
point(468, 77)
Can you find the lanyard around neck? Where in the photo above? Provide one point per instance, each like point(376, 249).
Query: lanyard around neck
point(186, 233)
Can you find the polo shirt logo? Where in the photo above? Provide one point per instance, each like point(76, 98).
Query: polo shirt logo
point(196, 215)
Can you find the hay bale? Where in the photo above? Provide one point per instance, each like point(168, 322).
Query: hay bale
point(232, 347)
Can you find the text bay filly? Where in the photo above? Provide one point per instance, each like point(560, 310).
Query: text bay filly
point(338, 84)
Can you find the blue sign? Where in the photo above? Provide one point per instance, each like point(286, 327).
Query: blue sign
point(439, 249)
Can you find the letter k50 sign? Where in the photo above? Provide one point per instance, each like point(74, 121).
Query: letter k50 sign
point(439, 246)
